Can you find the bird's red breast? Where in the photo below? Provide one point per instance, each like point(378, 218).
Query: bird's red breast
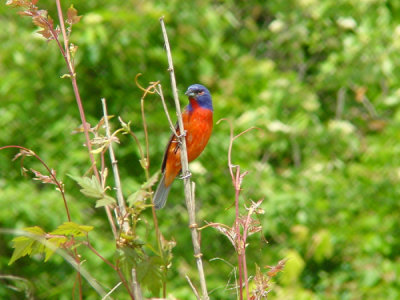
point(198, 123)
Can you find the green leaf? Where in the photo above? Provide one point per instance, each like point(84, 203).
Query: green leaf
point(90, 186)
point(105, 201)
point(56, 242)
point(27, 245)
point(128, 258)
point(149, 275)
point(139, 195)
point(142, 193)
point(149, 183)
point(72, 229)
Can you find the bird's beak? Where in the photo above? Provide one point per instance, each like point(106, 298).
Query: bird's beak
point(190, 93)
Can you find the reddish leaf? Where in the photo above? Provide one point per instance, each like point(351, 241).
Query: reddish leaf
point(18, 3)
point(40, 21)
point(46, 33)
point(72, 15)
point(49, 20)
point(230, 233)
point(23, 153)
point(276, 269)
point(25, 13)
point(43, 178)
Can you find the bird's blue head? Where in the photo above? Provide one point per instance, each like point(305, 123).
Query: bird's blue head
point(199, 94)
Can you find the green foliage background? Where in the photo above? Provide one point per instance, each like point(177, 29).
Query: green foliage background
point(319, 78)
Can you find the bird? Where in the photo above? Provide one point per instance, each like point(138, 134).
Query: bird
point(197, 120)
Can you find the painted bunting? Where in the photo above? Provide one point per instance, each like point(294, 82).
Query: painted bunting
point(198, 123)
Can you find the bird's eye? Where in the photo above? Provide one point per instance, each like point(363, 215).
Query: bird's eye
point(200, 93)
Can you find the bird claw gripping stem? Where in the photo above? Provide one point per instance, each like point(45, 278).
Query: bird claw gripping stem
point(187, 175)
point(180, 136)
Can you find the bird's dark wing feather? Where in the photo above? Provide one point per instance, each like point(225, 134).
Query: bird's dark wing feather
point(173, 140)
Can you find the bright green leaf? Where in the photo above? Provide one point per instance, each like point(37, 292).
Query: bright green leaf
point(105, 201)
point(90, 186)
point(27, 245)
point(56, 242)
point(72, 229)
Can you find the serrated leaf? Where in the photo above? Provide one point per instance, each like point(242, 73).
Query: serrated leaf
point(90, 186)
point(106, 201)
point(40, 21)
point(46, 33)
point(27, 245)
point(56, 242)
point(72, 229)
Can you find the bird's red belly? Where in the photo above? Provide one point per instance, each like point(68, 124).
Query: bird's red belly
point(198, 128)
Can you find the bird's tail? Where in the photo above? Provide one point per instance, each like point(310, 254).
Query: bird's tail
point(161, 194)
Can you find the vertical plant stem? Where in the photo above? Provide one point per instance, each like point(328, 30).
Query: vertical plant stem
point(185, 169)
point(122, 216)
point(238, 235)
point(240, 240)
point(153, 209)
point(195, 292)
point(135, 286)
point(71, 69)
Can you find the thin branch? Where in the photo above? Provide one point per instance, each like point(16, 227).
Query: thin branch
point(195, 292)
point(171, 124)
point(71, 69)
point(122, 214)
point(111, 291)
point(189, 189)
point(89, 245)
point(135, 286)
point(61, 189)
point(58, 184)
point(141, 153)
point(239, 241)
point(121, 202)
point(121, 276)
point(151, 90)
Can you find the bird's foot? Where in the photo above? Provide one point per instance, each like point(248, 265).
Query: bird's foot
point(187, 175)
point(181, 135)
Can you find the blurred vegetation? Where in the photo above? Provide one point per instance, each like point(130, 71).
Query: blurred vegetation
point(319, 78)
